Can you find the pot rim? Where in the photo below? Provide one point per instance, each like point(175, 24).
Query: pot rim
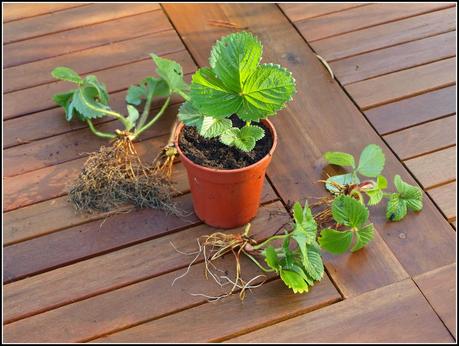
point(228, 171)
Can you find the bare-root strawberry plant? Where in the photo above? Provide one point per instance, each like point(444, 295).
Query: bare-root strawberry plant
point(115, 175)
point(337, 223)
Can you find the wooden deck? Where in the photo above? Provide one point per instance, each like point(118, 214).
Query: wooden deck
point(107, 278)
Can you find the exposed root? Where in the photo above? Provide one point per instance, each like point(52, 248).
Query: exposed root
point(115, 176)
point(213, 247)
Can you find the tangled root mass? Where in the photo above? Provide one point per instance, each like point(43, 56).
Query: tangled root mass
point(115, 176)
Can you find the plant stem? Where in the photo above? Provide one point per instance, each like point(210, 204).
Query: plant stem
point(185, 96)
point(146, 111)
point(99, 133)
point(258, 263)
point(258, 246)
point(105, 111)
point(152, 121)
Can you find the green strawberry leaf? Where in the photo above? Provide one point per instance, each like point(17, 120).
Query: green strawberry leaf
point(412, 195)
point(135, 95)
point(349, 212)
point(234, 58)
point(340, 159)
point(297, 212)
point(265, 92)
point(363, 237)
point(314, 265)
point(294, 281)
point(212, 127)
point(271, 258)
point(396, 208)
point(236, 84)
point(210, 96)
point(334, 241)
point(102, 94)
point(132, 117)
point(67, 74)
point(171, 72)
point(190, 116)
point(256, 132)
point(65, 100)
point(371, 162)
point(343, 179)
point(85, 102)
point(229, 136)
point(376, 195)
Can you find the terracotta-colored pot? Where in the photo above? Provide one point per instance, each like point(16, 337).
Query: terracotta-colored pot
point(226, 198)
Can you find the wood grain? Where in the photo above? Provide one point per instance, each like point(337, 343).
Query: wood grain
point(439, 288)
point(14, 11)
point(85, 37)
point(395, 313)
point(445, 198)
point(120, 268)
point(399, 85)
point(302, 11)
point(386, 35)
point(310, 125)
point(267, 305)
point(71, 18)
point(412, 111)
point(116, 79)
point(92, 60)
point(425, 138)
point(434, 169)
point(122, 308)
point(360, 18)
point(387, 60)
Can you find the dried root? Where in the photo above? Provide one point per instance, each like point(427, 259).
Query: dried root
point(213, 247)
point(115, 176)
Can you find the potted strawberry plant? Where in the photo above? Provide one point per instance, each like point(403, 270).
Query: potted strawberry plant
point(225, 140)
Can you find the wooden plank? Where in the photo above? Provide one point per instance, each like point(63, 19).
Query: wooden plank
point(267, 305)
point(362, 17)
point(423, 139)
point(83, 38)
point(117, 269)
point(87, 240)
point(309, 126)
point(93, 59)
point(302, 11)
point(398, 85)
point(445, 198)
point(118, 309)
point(395, 313)
point(382, 36)
point(370, 268)
point(72, 145)
point(71, 18)
point(50, 182)
point(412, 111)
point(14, 11)
point(116, 79)
point(434, 169)
point(439, 288)
point(387, 60)
point(56, 214)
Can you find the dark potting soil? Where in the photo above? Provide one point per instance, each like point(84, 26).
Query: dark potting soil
point(210, 152)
